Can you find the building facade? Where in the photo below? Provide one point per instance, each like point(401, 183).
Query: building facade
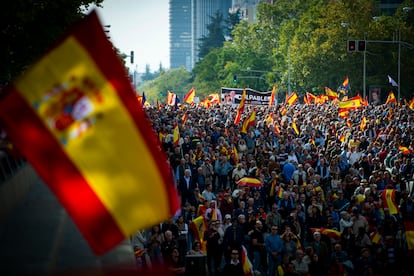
point(188, 23)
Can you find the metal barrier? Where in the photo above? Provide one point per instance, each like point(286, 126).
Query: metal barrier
point(9, 166)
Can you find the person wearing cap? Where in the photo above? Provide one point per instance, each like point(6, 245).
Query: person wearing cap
point(320, 248)
point(227, 222)
point(345, 221)
point(361, 188)
point(299, 175)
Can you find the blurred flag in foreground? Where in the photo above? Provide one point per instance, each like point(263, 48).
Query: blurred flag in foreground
point(246, 264)
point(75, 118)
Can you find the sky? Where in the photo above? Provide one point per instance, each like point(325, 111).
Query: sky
point(141, 26)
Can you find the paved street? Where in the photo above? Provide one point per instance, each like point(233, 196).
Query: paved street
point(38, 237)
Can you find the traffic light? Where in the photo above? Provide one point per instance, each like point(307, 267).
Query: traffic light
point(351, 45)
point(132, 57)
point(235, 79)
point(361, 45)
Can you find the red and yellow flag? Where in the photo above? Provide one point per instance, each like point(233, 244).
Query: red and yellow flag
point(404, 150)
point(184, 118)
point(189, 97)
point(269, 120)
point(409, 234)
point(330, 93)
point(328, 232)
point(280, 192)
point(411, 104)
point(246, 264)
point(240, 109)
point(199, 226)
point(388, 201)
point(171, 98)
point(291, 99)
point(283, 110)
point(310, 97)
point(295, 128)
point(375, 237)
point(342, 138)
point(235, 155)
point(176, 135)
point(248, 122)
point(350, 104)
point(273, 187)
point(391, 98)
point(272, 96)
point(343, 113)
point(277, 129)
point(72, 115)
point(363, 124)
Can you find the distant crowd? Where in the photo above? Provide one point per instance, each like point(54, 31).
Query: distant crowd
point(336, 195)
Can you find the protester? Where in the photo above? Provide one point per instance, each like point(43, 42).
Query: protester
point(335, 173)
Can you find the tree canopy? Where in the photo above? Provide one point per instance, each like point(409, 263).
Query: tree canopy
point(29, 27)
point(304, 42)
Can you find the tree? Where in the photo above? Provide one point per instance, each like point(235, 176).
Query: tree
point(178, 80)
point(215, 37)
point(232, 21)
point(29, 27)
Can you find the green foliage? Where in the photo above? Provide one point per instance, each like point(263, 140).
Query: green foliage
point(177, 80)
point(305, 42)
point(215, 37)
point(29, 27)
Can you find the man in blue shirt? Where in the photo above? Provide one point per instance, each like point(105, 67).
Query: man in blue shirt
point(274, 245)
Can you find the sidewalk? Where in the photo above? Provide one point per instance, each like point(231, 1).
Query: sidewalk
point(38, 238)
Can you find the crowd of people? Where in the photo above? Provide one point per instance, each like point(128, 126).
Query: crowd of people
point(335, 199)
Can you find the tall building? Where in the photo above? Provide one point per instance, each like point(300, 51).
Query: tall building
point(188, 23)
point(181, 41)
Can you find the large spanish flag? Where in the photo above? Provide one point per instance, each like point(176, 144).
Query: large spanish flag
point(350, 104)
point(75, 118)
